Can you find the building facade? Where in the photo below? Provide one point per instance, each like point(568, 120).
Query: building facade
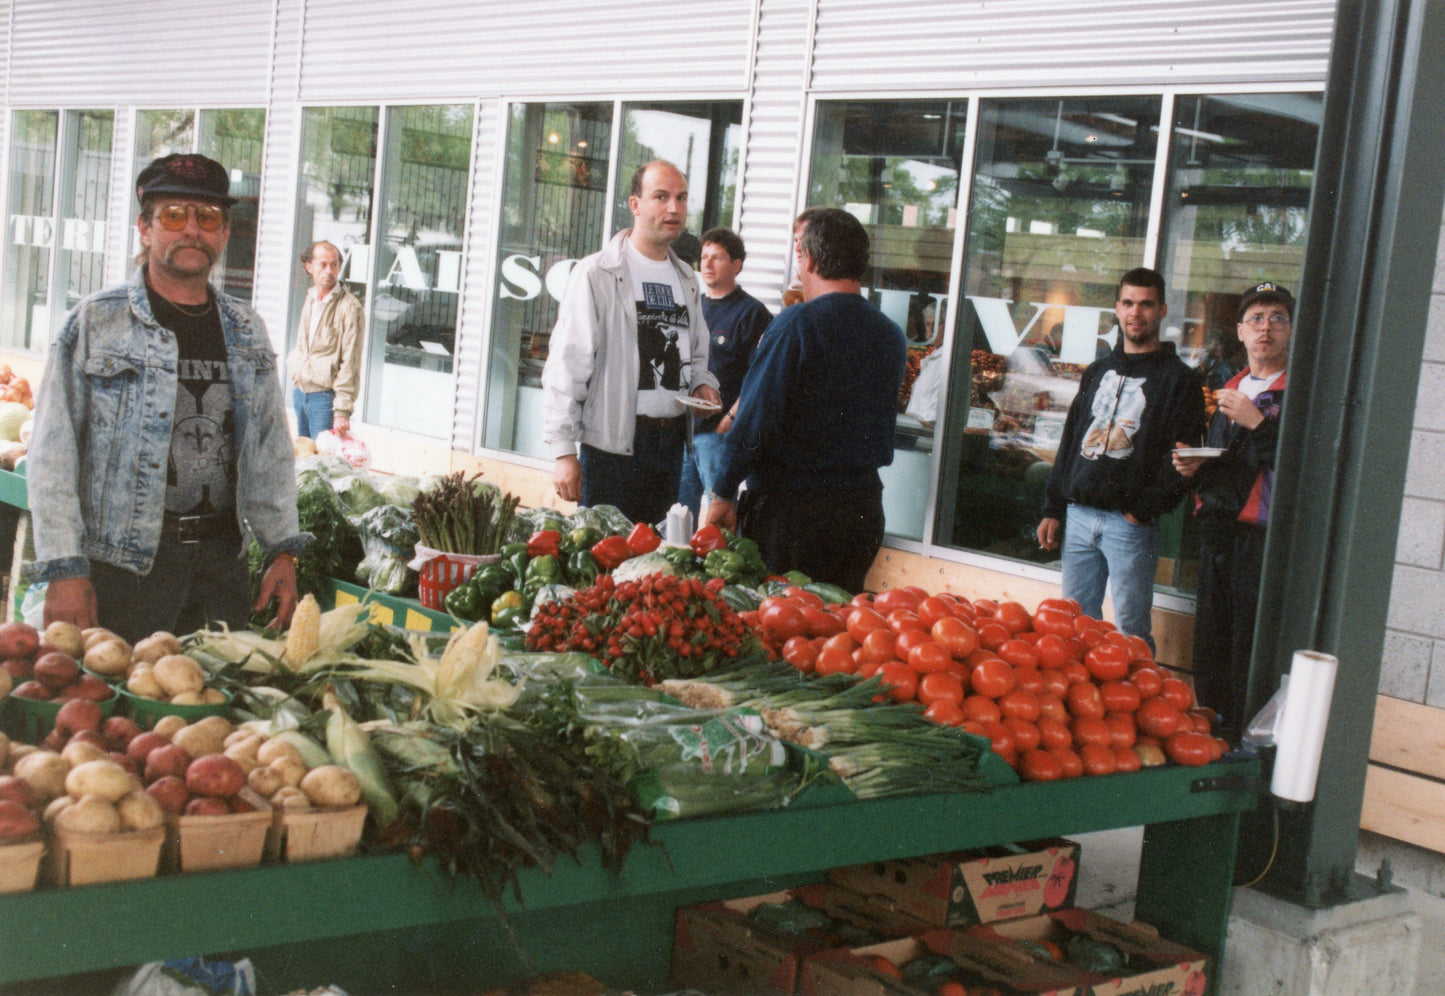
point(1010, 160)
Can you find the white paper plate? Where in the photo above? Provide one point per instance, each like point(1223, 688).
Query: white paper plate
point(698, 404)
point(1200, 451)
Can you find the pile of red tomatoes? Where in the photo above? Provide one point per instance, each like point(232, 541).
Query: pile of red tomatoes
point(1057, 693)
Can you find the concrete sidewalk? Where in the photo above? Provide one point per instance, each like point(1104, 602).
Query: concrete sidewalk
point(1108, 880)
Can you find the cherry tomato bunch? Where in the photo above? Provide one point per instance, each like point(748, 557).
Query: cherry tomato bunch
point(1058, 694)
point(659, 626)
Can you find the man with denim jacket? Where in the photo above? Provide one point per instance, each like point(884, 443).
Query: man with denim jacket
point(160, 435)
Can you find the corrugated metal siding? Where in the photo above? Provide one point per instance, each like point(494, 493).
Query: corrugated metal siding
point(95, 52)
point(862, 44)
point(474, 311)
point(276, 225)
point(773, 146)
point(404, 51)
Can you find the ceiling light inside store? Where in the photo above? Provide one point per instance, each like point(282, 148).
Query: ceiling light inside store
point(554, 138)
point(582, 144)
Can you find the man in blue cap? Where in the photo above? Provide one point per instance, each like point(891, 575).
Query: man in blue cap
point(160, 435)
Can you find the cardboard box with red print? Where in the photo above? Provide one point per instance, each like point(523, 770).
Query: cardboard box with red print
point(970, 887)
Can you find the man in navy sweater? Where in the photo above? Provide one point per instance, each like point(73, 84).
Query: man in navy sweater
point(735, 323)
point(816, 416)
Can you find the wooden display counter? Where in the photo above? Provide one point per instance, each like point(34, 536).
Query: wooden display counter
point(386, 923)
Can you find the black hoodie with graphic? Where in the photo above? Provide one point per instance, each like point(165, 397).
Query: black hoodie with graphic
point(1115, 452)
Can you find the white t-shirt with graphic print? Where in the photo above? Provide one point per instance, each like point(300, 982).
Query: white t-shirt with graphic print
point(664, 345)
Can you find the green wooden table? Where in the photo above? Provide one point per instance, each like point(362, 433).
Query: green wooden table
point(386, 924)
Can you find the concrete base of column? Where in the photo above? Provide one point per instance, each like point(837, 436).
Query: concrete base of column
point(1276, 948)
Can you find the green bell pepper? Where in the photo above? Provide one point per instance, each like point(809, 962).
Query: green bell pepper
point(681, 556)
point(462, 602)
point(580, 538)
point(546, 567)
point(725, 564)
point(582, 569)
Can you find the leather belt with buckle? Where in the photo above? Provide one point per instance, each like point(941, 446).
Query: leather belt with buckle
point(187, 529)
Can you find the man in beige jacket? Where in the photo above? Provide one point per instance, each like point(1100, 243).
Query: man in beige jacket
point(326, 363)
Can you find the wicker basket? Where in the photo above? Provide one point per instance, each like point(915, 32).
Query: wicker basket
point(442, 572)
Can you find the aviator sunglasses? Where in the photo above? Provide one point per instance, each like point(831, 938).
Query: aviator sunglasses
point(209, 217)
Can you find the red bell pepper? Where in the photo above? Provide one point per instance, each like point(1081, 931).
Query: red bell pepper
point(611, 552)
point(544, 543)
point(643, 539)
point(706, 540)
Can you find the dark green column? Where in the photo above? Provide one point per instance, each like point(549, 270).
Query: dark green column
point(1375, 227)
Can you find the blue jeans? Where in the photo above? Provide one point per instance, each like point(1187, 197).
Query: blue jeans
point(642, 486)
point(701, 468)
point(1102, 546)
point(313, 411)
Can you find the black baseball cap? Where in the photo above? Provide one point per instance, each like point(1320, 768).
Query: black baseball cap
point(1266, 291)
point(188, 175)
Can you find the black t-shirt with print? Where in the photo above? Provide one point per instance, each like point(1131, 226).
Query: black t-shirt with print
point(201, 473)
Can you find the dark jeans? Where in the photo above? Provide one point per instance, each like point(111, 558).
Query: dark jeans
point(831, 536)
point(1231, 557)
point(642, 486)
point(313, 411)
point(190, 587)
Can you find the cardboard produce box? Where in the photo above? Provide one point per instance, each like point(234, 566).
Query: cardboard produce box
point(988, 956)
point(728, 947)
point(852, 972)
point(201, 843)
point(970, 887)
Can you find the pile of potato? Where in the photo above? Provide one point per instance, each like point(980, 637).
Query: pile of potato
point(155, 668)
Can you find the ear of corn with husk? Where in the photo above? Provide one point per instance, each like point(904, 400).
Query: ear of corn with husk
point(316, 640)
point(458, 684)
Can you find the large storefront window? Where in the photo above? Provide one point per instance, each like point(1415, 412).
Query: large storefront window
point(895, 166)
point(1240, 172)
point(234, 137)
point(411, 282)
point(1059, 209)
point(55, 219)
point(555, 210)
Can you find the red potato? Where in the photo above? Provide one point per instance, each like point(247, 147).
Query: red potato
point(31, 690)
point(56, 670)
point(207, 806)
point(142, 744)
point(19, 668)
point(16, 820)
point(170, 792)
point(170, 759)
point(88, 737)
point(18, 639)
point(16, 790)
point(79, 714)
point(127, 762)
point(215, 775)
point(88, 686)
point(119, 731)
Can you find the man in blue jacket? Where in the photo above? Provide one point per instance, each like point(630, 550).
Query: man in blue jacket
point(816, 416)
point(1112, 478)
point(161, 436)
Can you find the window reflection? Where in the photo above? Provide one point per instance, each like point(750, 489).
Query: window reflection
point(1058, 210)
point(895, 166)
point(234, 137)
point(56, 216)
point(29, 228)
point(557, 208)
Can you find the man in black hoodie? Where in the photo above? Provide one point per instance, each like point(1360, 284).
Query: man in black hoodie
point(1113, 479)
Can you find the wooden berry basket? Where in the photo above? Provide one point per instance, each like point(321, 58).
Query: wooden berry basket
point(85, 858)
point(319, 832)
point(201, 843)
point(20, 864)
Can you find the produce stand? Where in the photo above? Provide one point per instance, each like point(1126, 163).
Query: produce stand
point(389, 610)
point(387, 923)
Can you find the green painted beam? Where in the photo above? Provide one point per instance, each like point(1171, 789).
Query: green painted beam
point(1360, 324)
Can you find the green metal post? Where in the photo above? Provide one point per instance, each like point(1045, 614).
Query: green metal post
point(1374, 229)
